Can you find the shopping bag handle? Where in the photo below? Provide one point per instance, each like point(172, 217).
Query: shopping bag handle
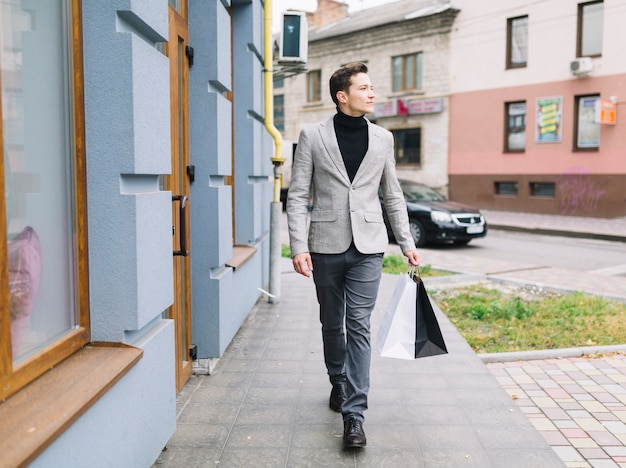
point(414, 273)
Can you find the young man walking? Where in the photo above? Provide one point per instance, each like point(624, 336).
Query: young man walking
point(342, 163)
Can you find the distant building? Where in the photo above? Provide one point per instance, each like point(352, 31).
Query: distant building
point(405, 45)
point(537, 89)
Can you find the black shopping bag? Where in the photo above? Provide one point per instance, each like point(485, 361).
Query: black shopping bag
point(428, 338)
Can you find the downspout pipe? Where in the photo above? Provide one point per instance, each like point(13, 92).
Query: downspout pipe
point(277, 159)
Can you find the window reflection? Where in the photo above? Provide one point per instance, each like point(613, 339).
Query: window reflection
point(37, 153)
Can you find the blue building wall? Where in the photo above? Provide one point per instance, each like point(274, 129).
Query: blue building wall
point(222, 295)
point(127, 115)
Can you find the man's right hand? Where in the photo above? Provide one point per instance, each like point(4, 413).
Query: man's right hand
point(302, 264)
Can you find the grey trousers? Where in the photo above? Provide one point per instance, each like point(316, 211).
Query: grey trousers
point(347, 286)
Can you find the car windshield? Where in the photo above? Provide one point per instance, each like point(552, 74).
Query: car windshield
point(417, 193)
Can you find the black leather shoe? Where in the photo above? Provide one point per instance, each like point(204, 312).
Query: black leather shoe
point(337, 397)
point(353, 435)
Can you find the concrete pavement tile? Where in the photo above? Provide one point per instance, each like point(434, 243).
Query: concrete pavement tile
point(388, 457)
point(594, 406)
point(259, 436)
point(437, 415)
point(287, 396)
point(199, 435)
point(573, 433)
point(593, 453)
point(570, 405)
point(320, 457)
point(616, 427)
point(557, 393)
point(517, 458)
point(566, 424)
point(317, 436)
point(568, 454)
point(580, 397)
point(543, 424)
point(604, 438)
point(547, 384)
point(615, 451)
point(615, 389)
point(556, 414)
point(209, 413)
point(536, 393)
point(590, 424)
point(472, 457)
point(251, 456)
point(254, 413)
point(199, 457)
point(554, 438)
point(545, 402)
point(599, 463)
point(605, 417)
point(583, 442)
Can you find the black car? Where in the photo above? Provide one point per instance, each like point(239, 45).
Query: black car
point(434, 219)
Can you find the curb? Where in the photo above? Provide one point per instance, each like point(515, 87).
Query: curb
point(489, 358)
point(559, 232)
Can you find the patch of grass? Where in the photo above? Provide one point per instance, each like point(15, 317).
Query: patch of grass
point(285, 251)
point(398, 264)
point(493, 320)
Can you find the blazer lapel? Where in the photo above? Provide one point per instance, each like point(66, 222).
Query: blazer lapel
point(371, 154)
point(329, 140)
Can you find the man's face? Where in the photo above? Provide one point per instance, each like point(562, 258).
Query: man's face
point(359, 99)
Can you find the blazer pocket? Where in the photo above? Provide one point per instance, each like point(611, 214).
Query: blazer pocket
point(323, 216)
point(373, 217)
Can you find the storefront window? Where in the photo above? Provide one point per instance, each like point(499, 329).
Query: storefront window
point(39, 154)
point(515, 126)
point(408, 145)
point(588, 130)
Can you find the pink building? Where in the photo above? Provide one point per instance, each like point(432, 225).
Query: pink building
point(537, 89)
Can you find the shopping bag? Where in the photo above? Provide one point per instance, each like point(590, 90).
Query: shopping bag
point(409, 328)
point(428, 338)
point(396, 336)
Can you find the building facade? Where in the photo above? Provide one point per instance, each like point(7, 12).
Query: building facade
point(537, 89)
point(410, 77)
point(136, 184)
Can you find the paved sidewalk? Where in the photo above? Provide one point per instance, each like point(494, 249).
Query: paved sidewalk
point(267, 402)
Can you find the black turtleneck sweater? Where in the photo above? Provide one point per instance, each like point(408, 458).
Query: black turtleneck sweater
point(353, 140)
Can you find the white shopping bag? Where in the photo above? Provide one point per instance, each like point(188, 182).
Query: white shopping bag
point(396, 336)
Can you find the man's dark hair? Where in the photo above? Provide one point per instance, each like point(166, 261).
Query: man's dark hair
point(341, 79)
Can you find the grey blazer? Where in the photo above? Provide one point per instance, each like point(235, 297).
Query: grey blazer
point(344, 211)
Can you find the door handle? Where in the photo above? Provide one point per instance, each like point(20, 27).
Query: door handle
point(182, 220)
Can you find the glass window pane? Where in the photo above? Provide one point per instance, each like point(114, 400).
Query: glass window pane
point(409, 68)
point(396, 70)
point(37, 100)
point(408, 146)
point(418, 70)
point(592, 26)
point(588, 130)
point(516, 126)
point(519, 41)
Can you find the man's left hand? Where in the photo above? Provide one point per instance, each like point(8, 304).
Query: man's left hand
point(413, 256)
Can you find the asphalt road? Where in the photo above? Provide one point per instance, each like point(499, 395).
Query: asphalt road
point(586, 255)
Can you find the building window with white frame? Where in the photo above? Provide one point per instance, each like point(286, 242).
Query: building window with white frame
point(406, 71)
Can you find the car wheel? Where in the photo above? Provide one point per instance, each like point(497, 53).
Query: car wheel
point(417, 232)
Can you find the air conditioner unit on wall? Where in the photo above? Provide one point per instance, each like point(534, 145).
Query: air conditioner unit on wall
point(581, 66)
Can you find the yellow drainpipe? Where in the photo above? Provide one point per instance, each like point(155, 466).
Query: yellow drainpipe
point(268, 53)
